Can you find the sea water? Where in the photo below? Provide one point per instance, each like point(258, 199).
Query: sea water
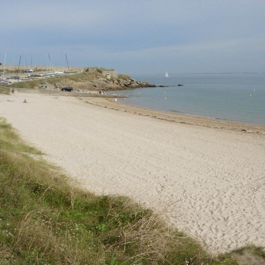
point(237, 97)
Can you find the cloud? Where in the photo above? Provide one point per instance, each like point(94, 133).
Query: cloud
point(133, 34)
point(50, 15)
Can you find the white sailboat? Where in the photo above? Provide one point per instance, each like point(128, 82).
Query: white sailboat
point(166, 75)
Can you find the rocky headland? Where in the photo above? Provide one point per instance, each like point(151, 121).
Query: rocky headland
point(87, 79)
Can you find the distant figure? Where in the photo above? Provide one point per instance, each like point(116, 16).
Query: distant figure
point(25, 101)
point(12, 90)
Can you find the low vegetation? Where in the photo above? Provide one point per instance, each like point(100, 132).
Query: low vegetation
point(4, 90)
point(44, 220)
point(90, 79)
point(33, 84)
point(81, 76)
point(77, 77)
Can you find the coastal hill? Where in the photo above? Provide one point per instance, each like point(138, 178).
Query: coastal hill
point(79, 79)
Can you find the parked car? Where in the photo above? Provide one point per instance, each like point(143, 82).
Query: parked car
point(67, 89)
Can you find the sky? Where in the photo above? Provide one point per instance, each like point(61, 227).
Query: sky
point(136, 36)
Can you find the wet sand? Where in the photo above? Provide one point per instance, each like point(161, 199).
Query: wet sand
point(110, 103)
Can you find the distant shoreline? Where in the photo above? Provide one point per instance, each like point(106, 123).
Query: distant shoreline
point(177, 117)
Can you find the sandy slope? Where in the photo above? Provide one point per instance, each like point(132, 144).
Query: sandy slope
point(209, 183)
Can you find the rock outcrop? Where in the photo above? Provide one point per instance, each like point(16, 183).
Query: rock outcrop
point(83, 80)
point(94, 79)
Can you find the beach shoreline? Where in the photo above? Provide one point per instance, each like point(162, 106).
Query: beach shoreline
point(206, 181)
point(113, 103)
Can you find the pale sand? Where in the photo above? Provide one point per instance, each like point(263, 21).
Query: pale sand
point(209, 183)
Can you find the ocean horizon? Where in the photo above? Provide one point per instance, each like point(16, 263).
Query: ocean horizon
point(228, 96)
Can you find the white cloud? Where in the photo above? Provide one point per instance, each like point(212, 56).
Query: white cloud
point(138, 35)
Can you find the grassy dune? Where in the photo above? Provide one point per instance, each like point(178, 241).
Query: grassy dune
point(44, 220)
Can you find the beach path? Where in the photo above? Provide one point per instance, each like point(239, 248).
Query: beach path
point(209, 183)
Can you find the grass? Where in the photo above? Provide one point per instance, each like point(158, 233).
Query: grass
point(4, 90)
point(81, 77)
point(44, 220)
point(124, 77)
point(77, 77)
point(27, 84)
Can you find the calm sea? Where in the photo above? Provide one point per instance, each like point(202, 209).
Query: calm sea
point(238, 97)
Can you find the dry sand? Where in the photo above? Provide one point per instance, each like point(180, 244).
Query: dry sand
point(209, 183)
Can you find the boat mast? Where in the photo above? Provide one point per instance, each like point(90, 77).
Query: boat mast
point(67, 62)
point(4, 65)
point(19, 63)
point(50, 61)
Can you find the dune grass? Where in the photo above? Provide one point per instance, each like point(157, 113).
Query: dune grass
point(44, 220)
point(4, 90)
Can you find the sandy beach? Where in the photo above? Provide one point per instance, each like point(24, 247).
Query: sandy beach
point(207, 181)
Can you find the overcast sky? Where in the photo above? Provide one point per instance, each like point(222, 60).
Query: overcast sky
point(136, 36)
